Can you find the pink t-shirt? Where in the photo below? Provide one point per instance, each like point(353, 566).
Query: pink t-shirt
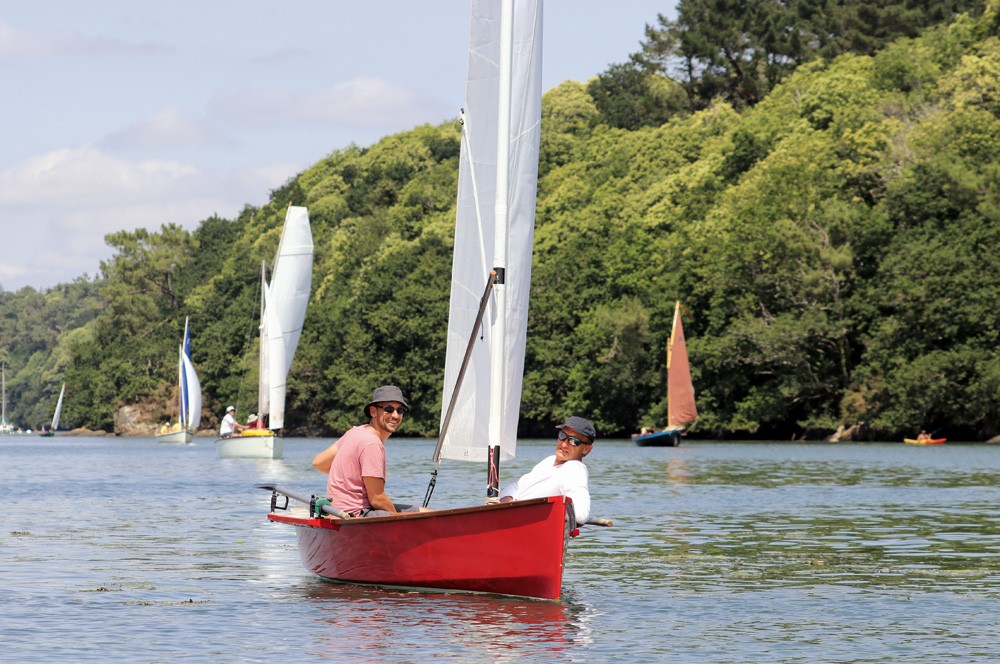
point(360, 453)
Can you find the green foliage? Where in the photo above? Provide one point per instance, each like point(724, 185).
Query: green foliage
point(740, 50)
point(629, 97)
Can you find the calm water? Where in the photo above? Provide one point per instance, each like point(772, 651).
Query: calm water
point(129, 550)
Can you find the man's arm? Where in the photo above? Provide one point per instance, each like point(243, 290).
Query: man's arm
point(375, 488)
point(324, 459)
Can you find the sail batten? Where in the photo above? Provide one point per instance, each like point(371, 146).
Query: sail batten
point(494, 226)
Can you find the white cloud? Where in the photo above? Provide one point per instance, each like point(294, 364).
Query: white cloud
point(55, 209)
point(168, 128)
point(23, 43)
point(74, 177)
point(362, 103)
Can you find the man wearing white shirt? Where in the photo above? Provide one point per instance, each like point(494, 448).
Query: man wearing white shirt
point(561, 474)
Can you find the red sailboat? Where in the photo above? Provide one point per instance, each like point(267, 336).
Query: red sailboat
point(441, 550)
point(512, 548)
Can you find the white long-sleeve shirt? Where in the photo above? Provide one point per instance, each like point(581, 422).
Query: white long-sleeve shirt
point(546, 479)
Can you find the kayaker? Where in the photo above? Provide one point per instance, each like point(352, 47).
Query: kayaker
point(923, 435)
point(356, 464)
point(560, 474)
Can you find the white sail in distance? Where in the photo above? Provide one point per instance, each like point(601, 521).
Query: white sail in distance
point(494, 227)
point(59, 404)
point(192, 387)
point(285, 301)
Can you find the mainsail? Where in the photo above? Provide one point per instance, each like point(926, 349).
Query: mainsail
point(190, 386)
point(284, 303)
point(681, 409)
point(55, 418)
point(494, 228)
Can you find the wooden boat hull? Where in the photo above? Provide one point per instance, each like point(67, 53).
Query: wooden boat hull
point(928, 441)
point(670, 438)
point(508, 549)
point(175, 437)
point(266, 446)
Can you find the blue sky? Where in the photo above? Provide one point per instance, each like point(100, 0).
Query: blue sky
point(123, 114)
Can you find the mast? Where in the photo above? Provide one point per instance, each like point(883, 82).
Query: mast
point(498, 349)
point(263, 378)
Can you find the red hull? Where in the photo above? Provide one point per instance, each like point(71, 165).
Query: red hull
point(509, 549)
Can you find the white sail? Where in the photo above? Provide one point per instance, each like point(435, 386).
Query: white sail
point(494, 226)
point(5, 426)
point(273, 354)
point(189, 387)
point(55, 418)
point(291, 279)
point(192, 387)
point(284, 311)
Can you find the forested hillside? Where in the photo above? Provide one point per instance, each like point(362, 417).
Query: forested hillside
point(834, 238)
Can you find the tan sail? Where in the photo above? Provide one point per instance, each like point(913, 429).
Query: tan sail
point(681, 409)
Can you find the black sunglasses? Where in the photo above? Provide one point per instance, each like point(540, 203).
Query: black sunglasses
point(402, 410)
point(572, 440)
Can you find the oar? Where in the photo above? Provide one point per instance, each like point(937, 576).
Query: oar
point(312, 501)
point(598, 521)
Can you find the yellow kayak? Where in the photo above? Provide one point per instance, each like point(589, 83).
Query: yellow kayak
point(925, 441)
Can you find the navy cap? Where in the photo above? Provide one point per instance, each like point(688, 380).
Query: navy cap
point(580, 425)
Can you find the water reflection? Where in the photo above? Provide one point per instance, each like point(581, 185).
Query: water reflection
point(360, 620)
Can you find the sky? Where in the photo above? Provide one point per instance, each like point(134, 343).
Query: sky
point(133, 114)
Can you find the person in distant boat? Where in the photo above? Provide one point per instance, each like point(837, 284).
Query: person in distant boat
point(562, 473)
point(229, 424)
point(356, 465)
point(253, 422)
point(166, 427)
point(923, 435)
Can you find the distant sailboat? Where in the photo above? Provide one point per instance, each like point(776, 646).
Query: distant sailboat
point(189, 397)
point(55, 418)
point(5, 426)
point(283, 311)
point(681, 408)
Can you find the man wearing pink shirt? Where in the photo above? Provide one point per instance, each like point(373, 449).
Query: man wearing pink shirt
point(355, 464)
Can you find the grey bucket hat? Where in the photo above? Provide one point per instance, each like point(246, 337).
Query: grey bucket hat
point(580, 425)
point(386, 393)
